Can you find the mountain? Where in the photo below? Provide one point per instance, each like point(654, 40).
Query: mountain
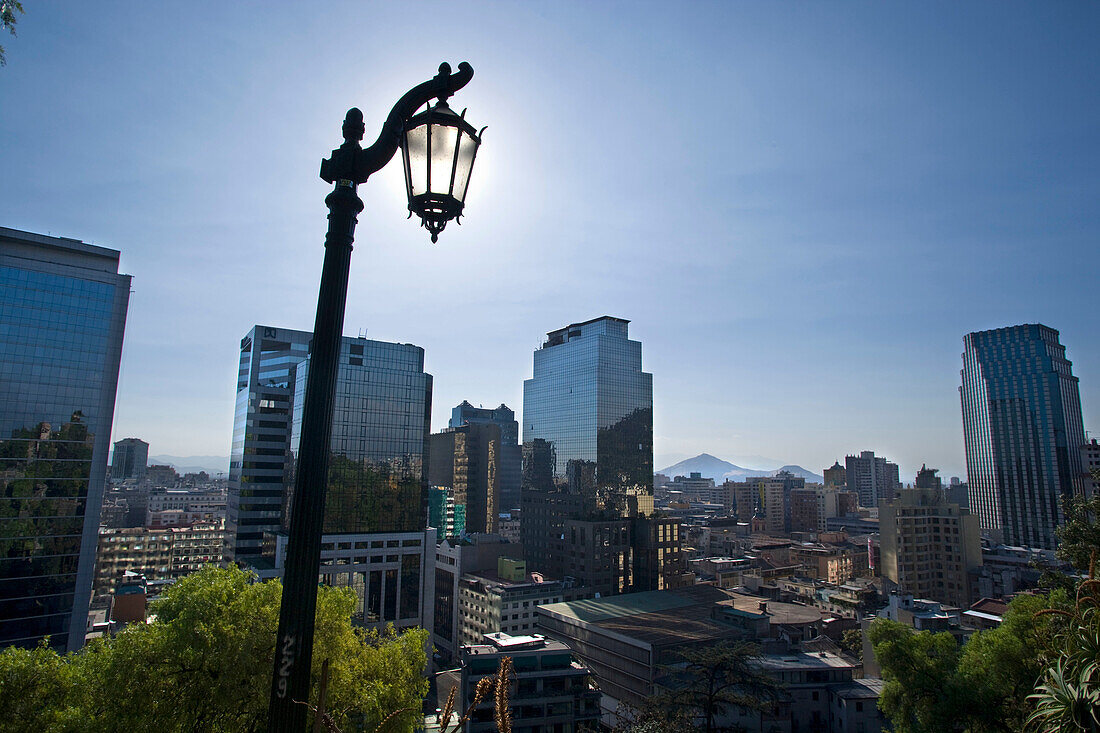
point(213, 465)
point(709, 466)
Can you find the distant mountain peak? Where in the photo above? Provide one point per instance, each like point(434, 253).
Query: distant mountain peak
point(709, 466)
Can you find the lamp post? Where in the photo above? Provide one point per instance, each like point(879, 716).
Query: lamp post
point(438, 150)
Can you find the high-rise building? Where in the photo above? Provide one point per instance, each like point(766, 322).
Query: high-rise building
point(62, 311)
point(1023, 432)
point(467, 461)
point(811, 507)
point(375, 538)
point(929, 546)
point(927, 478)
point(775, 499)
point(872, 477)
point(129, 460)
point(511, 455)
point(836, 475)
point(589, 396)
point(588, 464)
point(1090, 463)
point(261, 429)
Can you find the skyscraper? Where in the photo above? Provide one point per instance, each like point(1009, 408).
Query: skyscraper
point(62, 313)
point(511, 455)
point(589, 396)
point(873, 477)
point(375, 538)
point(588, 464)
point(261, 430)
point(1023, 431)
point(467, 461)
point(129, 459)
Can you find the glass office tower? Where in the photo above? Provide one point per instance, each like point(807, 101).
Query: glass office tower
point(589, 397)
point(1023, 431)
point(377, 473)
point(261, 429)
point(62, 314)
point(376, 540)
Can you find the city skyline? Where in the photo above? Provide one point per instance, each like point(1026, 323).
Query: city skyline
point(803, 212)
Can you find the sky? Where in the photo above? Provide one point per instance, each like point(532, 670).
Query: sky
point(801, 207)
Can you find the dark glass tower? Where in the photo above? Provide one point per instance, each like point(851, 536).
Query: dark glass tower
point(376, 539)
point(511, 455)
point(1023, 431)
point(130, 459)
point(377, 469)
point(62, 314)
point(589, 397)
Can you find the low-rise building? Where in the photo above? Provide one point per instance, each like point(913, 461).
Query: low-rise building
point(550, 689)
point(831, 563)
point(453, 559)
point(504, 601)
point(157, 554)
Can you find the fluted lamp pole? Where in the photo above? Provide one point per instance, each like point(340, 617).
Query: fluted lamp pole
point(438, 150)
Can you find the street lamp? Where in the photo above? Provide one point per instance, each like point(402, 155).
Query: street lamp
point(438, 150)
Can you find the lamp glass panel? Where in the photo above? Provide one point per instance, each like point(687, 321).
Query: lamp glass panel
point(444, 139)
point(418, 159)
point(467, 148)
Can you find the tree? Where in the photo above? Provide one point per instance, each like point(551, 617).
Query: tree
point(706, 683)
point(851, 641)
point(205, 663)
point(8, 9)
point(1079, 537)
point(998, 668)
point(920, 693)
point(933, 685)
point(1067, 698)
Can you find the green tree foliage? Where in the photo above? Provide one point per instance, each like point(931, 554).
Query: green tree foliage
point(1079, 537)
point(205, 665)
point(851, 641)
point(705, 685)
point(920, 694)
point(1068, 696)
point(934, 685)
point(8, 9)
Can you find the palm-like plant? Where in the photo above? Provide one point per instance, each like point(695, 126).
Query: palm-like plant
point(1067, 698)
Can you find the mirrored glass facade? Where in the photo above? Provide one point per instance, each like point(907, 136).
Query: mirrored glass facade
point(261, 431)
point(377, 471)
point(62, 314)
point(589, 397)
point(1023, 431)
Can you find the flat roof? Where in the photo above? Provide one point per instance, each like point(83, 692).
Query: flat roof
point(805, 660)
point(865, 688)
point(59, 242)
point(585, 323)
point(675, 616)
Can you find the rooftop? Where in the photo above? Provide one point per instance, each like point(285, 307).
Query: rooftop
point(793, 661)
point(676, 616)
point(866, 688)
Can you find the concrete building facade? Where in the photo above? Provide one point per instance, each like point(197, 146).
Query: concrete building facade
point(929, 546)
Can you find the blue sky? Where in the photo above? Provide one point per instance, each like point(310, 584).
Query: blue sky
point(802, 207)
